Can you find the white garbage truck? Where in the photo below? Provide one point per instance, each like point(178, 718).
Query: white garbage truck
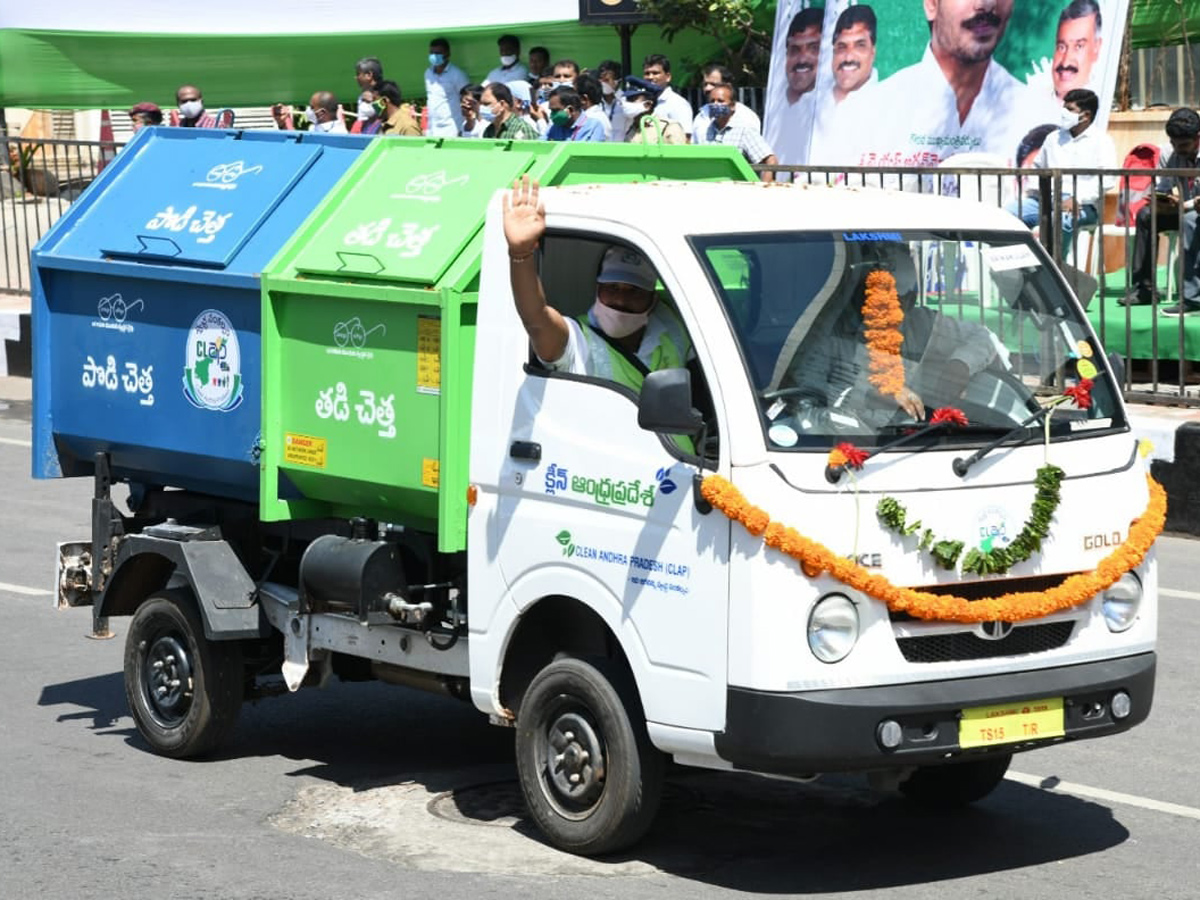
point(887, 516)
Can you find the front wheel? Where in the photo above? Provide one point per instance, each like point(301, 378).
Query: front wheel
point(591, 778)
point(184, 691)
point(956, 784)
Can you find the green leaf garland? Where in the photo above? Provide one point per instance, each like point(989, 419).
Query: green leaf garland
point(998, 560)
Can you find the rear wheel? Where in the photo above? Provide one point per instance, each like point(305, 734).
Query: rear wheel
point(184, 691)
point(591, 778)
point(956, 784)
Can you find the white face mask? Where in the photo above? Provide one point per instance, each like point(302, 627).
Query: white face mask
point(191, 109)
point(507, 60)
point(617, 323)
point(311, 115)
point(607, 88)
point(632, 108)
point(1067, 119)
point(366, 110)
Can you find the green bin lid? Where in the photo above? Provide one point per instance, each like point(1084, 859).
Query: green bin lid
point(409, 213)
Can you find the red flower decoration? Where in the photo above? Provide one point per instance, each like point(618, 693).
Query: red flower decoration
point(854, 457)
point(1081, 393)
point(948, 414)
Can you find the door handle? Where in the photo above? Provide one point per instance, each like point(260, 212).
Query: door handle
point(526, 450)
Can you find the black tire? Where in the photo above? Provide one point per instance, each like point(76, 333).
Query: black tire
point(957, 784)
point(573, 707)
point(184, 690)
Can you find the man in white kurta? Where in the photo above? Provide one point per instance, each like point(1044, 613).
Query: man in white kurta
point(957, 99)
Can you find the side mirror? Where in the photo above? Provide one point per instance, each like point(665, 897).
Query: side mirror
point(665, 404)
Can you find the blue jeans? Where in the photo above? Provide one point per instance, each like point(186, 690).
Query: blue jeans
point(1028, 210)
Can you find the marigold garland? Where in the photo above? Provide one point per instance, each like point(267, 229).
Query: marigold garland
point(882, 316)
point(815, 558)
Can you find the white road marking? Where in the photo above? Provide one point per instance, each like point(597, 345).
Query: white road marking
point(1179, 595)
point(16, 442)
point(21, 589)
point(1093, 793)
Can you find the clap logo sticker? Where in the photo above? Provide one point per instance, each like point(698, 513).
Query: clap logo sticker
point(212, 375)
point(564, 539)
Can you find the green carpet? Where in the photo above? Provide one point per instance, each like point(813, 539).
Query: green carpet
point(1141, 332)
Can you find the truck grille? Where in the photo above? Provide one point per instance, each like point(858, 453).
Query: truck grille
point(964, 645)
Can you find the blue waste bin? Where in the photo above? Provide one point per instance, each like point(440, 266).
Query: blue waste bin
point(147, 310)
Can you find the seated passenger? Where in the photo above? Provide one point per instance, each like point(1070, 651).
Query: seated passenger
point(940, 353)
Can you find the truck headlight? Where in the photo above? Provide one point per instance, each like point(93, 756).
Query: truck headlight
point(1121, 602)
point(833, 628)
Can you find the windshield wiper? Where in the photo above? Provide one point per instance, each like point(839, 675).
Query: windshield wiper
point(962, 466)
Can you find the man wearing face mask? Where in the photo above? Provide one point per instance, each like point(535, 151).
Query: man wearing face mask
point(443, 81)
point(591, 95)
point(624, 335)
point(1075, 145)
point(322, 114)
point(567, 121)
point(511, 68)
point(496, 108)
point(643, 124)
point(190, 112)
point(714, 74)
point(721, 108)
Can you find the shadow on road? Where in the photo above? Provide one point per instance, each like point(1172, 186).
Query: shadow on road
point(728, 830)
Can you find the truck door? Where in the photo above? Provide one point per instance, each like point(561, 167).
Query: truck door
point(593, 507)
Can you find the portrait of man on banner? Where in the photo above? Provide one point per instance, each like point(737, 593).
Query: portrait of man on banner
point(947, 77)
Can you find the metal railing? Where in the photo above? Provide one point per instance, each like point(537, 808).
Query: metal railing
point(39, 179)
point(1161, 353)
point(44, 176)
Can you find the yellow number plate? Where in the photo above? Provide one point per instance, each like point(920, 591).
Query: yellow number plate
point(1009, 723)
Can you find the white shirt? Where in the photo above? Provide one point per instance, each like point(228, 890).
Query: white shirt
point(834, 120)
point(743, 117)
point(442, 101)
point(516, 72)
point(597, 113)
point(333, 126)
point(476, 132)
point(674, 107)
point(616, 117)
point(790, 129)
point(911, 118)
point(1093, 149)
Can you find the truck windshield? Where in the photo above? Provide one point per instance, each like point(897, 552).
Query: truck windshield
point(863, 335)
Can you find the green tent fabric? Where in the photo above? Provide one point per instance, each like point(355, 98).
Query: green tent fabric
point(86, 70)
point(1157, 23)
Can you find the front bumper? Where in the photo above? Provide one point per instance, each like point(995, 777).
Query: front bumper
point(835, 730)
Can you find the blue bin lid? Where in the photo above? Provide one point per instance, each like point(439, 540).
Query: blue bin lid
point(187, 198)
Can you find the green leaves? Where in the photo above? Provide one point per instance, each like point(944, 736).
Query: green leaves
point(992, 560)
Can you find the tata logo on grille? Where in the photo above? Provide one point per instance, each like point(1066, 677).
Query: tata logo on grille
point(994, 631)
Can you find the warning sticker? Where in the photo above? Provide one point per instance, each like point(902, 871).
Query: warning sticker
point(304, 450)
point(429, 472)
point(429, 355)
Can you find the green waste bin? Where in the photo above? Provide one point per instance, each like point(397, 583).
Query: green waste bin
point(369, 323)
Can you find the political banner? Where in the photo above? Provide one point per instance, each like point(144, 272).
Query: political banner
point(916, 84)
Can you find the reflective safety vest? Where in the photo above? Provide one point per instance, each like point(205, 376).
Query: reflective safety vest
point(665, 336)
point(669, 349)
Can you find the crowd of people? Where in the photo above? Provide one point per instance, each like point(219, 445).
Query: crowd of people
point(517, 100)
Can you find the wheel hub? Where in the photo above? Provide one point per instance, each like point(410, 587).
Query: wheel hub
point(168, 679)
point(575, 760)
